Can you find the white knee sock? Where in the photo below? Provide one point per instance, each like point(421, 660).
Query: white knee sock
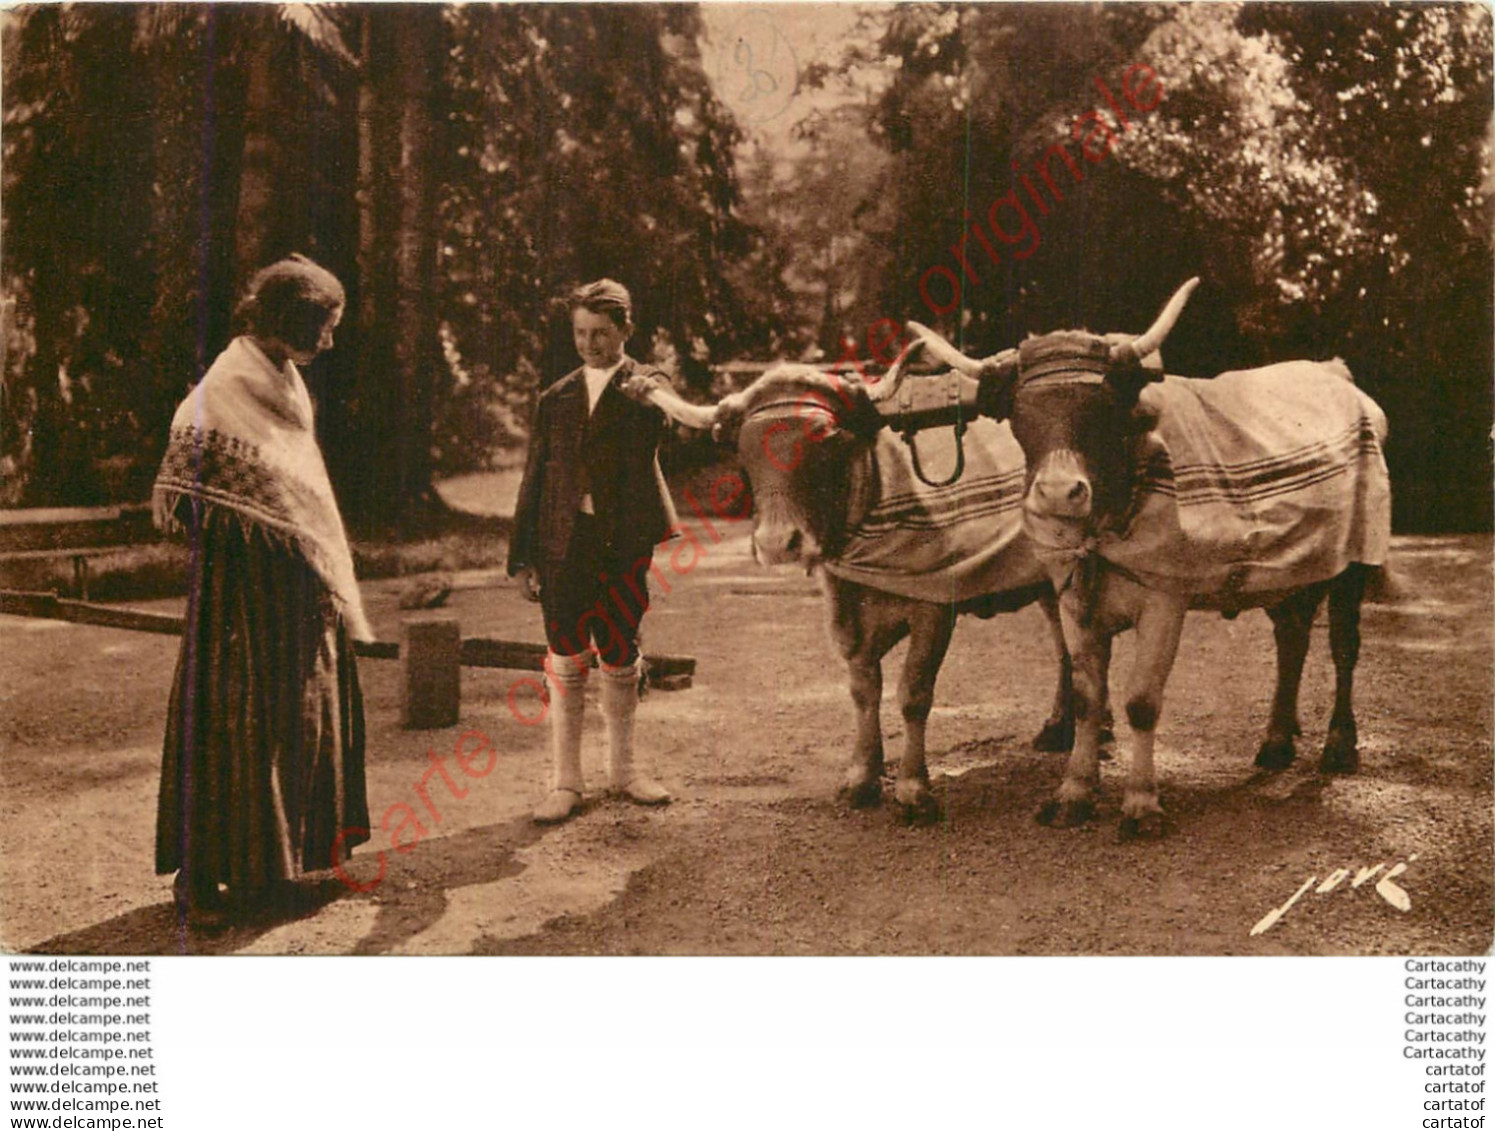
point(567, 677)
point(619, 703)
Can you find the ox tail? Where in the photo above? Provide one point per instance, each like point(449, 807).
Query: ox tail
point(1337, 366)
point(1383, 585)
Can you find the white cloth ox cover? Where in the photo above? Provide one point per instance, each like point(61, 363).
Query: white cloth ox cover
point(1272, 479)
point(943, 544)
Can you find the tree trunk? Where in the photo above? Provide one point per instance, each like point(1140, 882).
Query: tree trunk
point(370, 455)
point(198, 97)
point(416, 354)
point(396, 319)
point(257, 168)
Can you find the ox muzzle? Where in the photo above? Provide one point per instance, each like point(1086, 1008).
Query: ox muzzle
point(1060, 488)
point(780, 538)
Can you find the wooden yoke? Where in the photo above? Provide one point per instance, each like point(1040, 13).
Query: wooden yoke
point(909, 403)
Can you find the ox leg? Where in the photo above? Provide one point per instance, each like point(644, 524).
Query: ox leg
point(863, 783)
point(1292, 625)
point(1341, 752)
point(929, 640)
point(1090, 650)
point(1106, 725)
point(1159, 626)
point(1058, 731)
point(863, 630)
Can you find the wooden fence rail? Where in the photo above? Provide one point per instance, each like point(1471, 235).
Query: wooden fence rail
point(667, 673)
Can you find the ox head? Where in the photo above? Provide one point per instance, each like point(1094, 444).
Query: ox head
point(799, 432)
point(1073, 401)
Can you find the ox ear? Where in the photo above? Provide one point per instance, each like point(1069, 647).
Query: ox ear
point(856, 411)
point(1128, 377)
point(997, 383)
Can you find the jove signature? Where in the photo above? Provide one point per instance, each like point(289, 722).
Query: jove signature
point(1391, 892)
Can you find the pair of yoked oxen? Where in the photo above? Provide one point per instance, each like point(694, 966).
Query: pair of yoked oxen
point(1119, 538)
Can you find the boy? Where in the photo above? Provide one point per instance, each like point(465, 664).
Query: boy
point(592, 506)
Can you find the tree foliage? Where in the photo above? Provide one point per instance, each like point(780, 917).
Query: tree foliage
point(587, 143)
point(456, 167)
point(1324, 167)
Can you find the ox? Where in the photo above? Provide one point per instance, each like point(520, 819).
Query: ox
point(1148, 496)
point(834, 492)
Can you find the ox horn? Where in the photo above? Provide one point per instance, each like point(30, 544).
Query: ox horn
point(943, 350)
point(681, 411)
point(883, 388)
point(1152, 340)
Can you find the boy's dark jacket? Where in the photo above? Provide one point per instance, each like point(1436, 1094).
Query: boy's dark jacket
point(613, 453)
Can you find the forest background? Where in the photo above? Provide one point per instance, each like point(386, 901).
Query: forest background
point(770, 182)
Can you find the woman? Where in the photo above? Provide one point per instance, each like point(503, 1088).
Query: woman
point(263, 761)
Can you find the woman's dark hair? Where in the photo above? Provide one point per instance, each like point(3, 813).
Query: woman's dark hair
point(291, 300)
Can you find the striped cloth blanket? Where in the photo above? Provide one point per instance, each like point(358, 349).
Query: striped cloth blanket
point(1271, 479)
point(943, 544)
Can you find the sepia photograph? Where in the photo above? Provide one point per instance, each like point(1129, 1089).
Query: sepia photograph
point(794, 479)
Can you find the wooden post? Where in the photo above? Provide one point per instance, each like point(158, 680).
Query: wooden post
point(430, 671)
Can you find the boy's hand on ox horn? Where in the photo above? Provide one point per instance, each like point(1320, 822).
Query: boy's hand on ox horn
point(652, 389)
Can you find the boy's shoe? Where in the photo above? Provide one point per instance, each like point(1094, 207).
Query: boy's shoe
point(643, 790)
point(559, 804)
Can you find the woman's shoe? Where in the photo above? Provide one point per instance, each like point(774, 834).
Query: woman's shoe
point(201, 904)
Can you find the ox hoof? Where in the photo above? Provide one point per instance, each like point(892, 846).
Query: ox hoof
point(1055, 738)
point(917, 807)
point(1276, 754)
point(1340, 754)
point(862, 794)
point(1148, 826)
point(1065, 814)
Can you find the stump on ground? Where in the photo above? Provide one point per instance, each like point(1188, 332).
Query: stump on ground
point(430, 671)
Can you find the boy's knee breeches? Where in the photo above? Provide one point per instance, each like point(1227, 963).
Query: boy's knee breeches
point(595, 598)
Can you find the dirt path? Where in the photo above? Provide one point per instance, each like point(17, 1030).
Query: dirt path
point(756, 856)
